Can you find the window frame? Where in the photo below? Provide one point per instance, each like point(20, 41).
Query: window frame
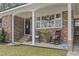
point(59, 19)
point(38, 21)
point(54, 26)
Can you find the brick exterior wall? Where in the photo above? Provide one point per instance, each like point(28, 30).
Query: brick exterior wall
point(64, 30)
point(6, 25)
point(18, 28)
point(64, 33)
point(51, 30)
point(70, 45)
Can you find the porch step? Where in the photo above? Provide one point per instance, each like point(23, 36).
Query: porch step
point(25, 38)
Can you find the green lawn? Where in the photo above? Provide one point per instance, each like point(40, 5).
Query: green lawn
point(23, 50)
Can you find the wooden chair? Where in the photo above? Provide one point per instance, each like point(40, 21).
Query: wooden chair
point(57, 37)
point(37, 36)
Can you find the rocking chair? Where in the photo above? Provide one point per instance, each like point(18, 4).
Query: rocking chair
point(57, 37)
point(37, 36)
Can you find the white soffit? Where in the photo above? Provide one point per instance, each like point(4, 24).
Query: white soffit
point(28, 8)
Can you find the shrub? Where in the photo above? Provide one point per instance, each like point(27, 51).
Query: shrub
point(46, 36)
point(2, 36)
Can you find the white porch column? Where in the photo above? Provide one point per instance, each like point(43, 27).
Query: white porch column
point(12, 28)
point(69, 26)
point(69, 21)
point(33, 27)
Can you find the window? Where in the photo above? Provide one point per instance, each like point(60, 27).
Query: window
point(58, 21)
point(38, 22)
point(58, 15)
point(49, 21)
point(45, 21)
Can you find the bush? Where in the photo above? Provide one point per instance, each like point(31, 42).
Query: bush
point(2, 36)
point(46, 36)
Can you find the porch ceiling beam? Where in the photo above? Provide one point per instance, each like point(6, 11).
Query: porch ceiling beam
point(33, 27)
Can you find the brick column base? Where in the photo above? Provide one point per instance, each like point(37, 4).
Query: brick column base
point(70, 45)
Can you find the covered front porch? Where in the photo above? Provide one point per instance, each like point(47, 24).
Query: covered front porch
point(44, 25)
point(38, 30)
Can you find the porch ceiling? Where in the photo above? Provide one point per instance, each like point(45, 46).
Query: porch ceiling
point(37, 6)
point(28, 7)
point(26, 14)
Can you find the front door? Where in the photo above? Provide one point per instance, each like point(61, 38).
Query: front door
point(27, 26)
point(76, 32)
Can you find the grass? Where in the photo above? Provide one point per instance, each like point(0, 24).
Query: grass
point(23, 50)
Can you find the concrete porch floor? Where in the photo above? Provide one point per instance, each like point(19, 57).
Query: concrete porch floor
point(41, 44)
point(75, 51)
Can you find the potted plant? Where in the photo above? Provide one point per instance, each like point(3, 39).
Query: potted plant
point(2, 36)
point(46, 37)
